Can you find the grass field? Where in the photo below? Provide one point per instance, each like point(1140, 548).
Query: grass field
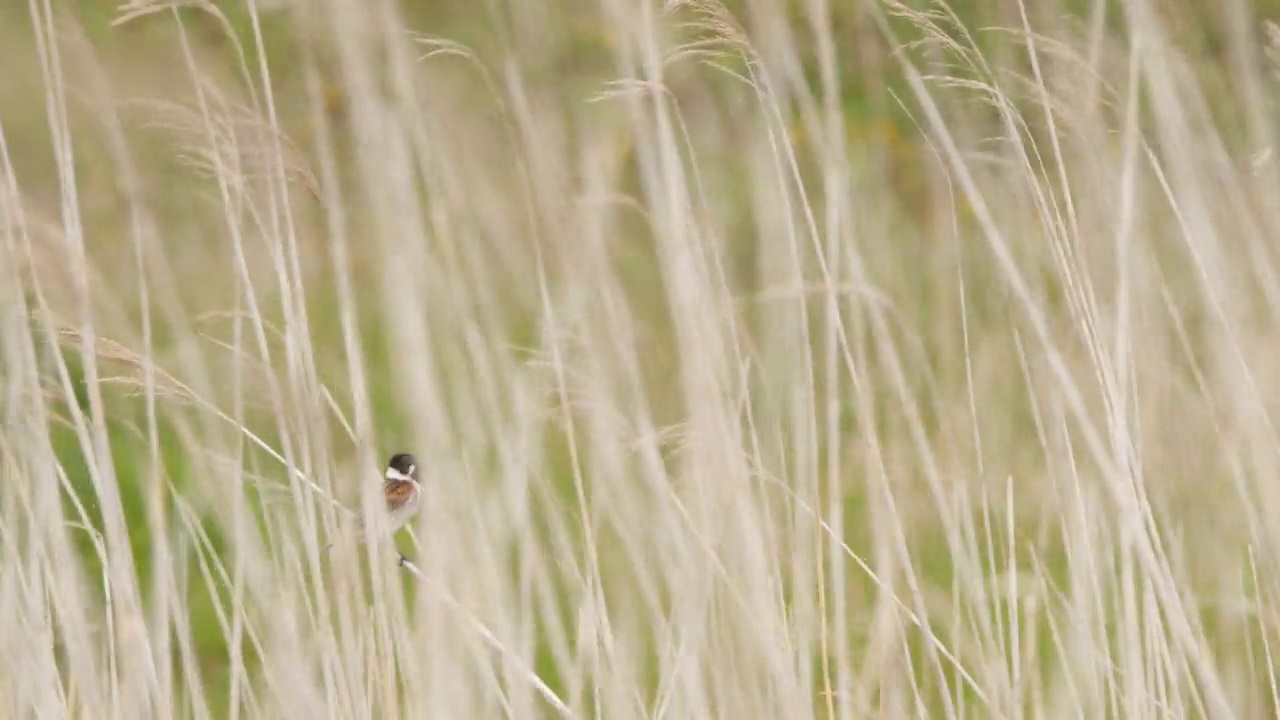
point(775, 359)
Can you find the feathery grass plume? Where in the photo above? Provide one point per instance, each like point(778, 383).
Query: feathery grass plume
point(763, 359)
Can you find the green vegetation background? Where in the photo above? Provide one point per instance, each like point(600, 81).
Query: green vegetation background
point(142, 60)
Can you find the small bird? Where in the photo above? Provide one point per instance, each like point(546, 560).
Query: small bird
point(400, 490)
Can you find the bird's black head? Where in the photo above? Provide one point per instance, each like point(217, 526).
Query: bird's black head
point(403, 464)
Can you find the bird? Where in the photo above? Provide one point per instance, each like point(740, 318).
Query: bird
point(401, 492)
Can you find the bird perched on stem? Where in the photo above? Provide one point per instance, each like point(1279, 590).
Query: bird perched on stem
point(400, 490)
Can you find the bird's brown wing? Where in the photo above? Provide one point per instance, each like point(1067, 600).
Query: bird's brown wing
point(398, 492)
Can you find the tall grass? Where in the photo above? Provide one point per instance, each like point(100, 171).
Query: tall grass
point(785, 360)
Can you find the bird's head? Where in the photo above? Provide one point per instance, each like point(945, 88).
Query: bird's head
point(402, 466)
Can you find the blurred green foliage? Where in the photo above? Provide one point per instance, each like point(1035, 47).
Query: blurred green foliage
point(577, 59)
